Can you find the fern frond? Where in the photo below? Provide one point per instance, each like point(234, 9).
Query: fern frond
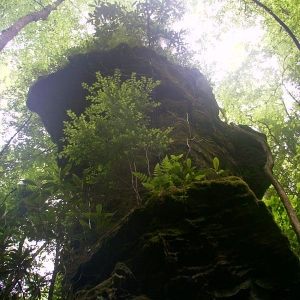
point(157, 172)
point(142, 177)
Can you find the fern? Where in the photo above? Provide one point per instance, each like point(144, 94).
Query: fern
point(174, 177)
point(141, 176)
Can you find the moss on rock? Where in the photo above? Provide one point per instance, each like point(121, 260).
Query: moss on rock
point(220, 243)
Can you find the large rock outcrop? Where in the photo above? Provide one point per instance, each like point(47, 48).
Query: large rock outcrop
point(187, 104)
point(222, 242)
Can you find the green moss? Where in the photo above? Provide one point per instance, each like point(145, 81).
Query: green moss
point(236, 184)
point(104, 288)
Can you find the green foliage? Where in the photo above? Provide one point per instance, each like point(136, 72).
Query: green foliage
point(115, 126)
point(18, 269)
point(174, 178)
point(146, 23)
point(96, 222)
point(289, 170)
point(48, 206)
point(56, 201)
point(282, 219)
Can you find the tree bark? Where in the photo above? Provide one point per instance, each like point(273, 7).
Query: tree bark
point(287, 204)
point(280, 190)
point(279, 21)
point(9, 33)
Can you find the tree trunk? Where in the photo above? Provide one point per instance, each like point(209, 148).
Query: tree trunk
point(9, 33)
point(278, 187)
point(53, 279)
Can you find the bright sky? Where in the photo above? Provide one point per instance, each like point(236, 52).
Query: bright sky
point(229, 50)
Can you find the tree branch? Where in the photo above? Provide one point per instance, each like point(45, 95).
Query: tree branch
point(9, 33)
point(277, 143)
point(278, 20)
point(290, 94)
point(19, 129)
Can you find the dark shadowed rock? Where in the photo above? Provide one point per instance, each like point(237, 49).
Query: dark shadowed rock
point(222, 243)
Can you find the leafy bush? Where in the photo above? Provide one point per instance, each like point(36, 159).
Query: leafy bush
point(114, 130)
point(146, 23)
point(95, 222)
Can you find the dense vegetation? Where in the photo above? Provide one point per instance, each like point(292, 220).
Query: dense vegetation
point(261, 89)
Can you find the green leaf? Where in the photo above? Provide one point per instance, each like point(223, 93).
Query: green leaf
point(84, 225)
point(216, 164)
point(30, 182)
point(141, 176)
point(199, 177)
point(65, 170)
point(76, 180)
point(99, 209)
point(189, 163)
point(148, 186)
point(176, 157)
point(48, 185)
point(95, 218)
point(87, 215)
point(204, 172)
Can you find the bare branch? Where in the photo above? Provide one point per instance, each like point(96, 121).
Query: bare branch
point(270, 133)
point(279, 21)
point(10, 140)
point(9, 33)
point(290, 94)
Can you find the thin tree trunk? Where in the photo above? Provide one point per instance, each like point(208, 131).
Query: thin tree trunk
point(278, 20)
point(287, 204)
point(280, 190)
point(55, 269)
point(278, 187)
point(9, 33)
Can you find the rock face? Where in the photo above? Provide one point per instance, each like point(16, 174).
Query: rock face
point(187, 104)
point(222, 242)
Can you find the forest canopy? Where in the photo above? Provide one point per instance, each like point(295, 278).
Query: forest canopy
point(249, 50)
